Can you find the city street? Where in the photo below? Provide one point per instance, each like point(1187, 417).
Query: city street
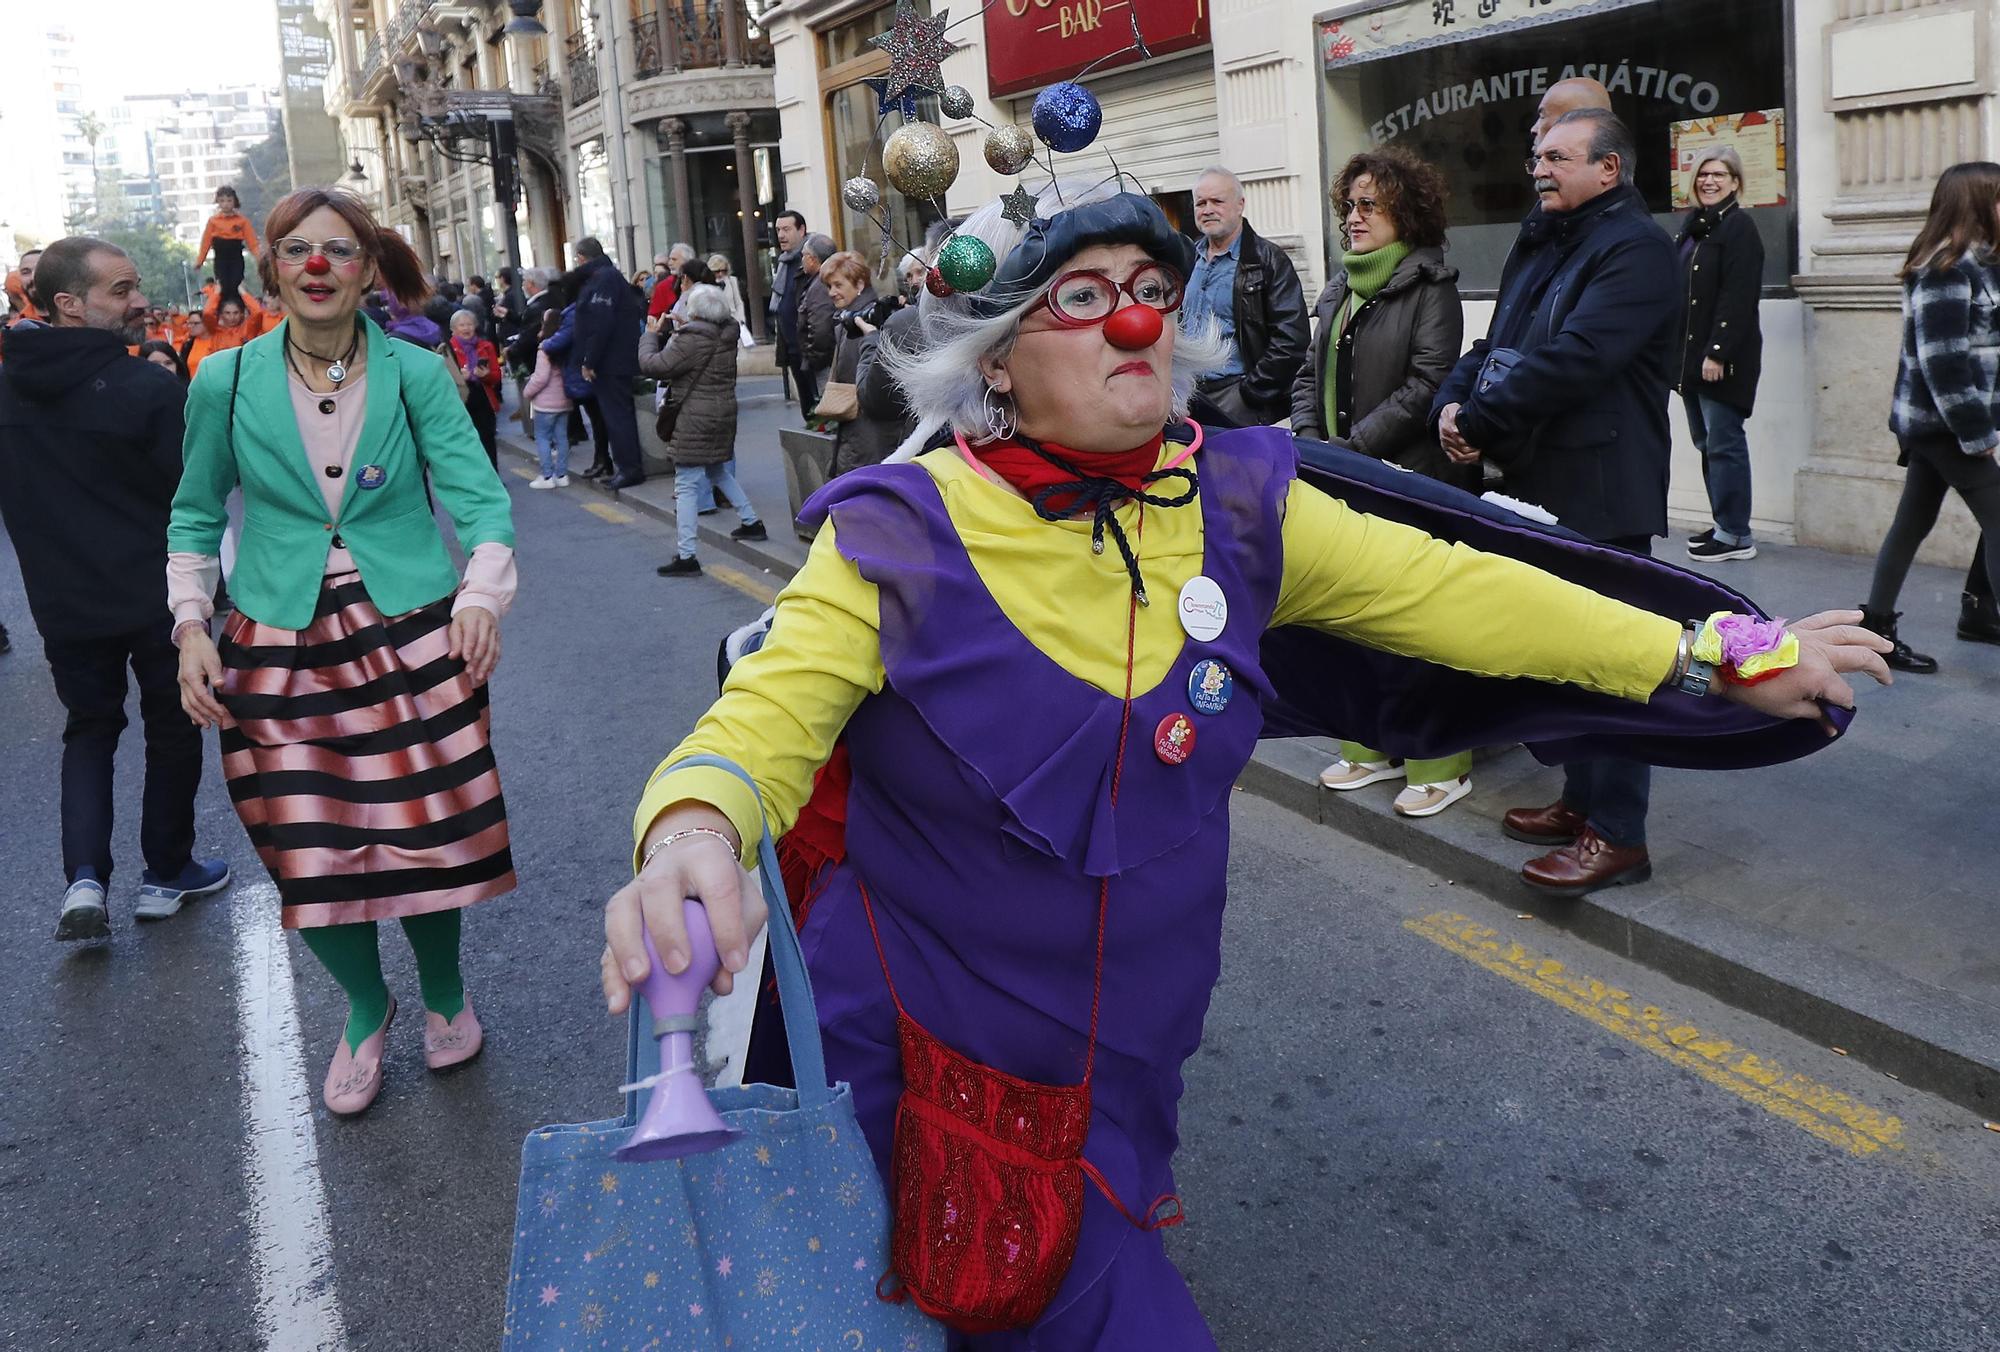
point(1417, 1119)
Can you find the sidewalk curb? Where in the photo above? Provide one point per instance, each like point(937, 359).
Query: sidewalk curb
point(1927, 1038)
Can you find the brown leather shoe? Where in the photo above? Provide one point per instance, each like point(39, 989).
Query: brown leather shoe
point(1556, 824)
point(1591, 863)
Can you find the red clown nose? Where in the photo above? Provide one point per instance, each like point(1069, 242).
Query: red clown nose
point(1134, 328)
point(317, 266)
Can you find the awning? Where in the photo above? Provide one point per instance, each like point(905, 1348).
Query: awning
point(1411, 25)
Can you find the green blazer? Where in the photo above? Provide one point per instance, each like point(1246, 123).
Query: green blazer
point(415, 422)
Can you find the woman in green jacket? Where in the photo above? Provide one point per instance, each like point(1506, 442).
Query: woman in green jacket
point(350, 683)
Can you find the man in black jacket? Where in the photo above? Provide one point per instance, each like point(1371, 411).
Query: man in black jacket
point(90, 456)
point(1567, 395)
point(1251, 288)
point(788, 288)
point(608, 319)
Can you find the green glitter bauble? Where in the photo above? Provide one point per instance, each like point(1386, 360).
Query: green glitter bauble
point(966, 263)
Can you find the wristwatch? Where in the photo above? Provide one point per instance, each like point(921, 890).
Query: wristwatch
point(1691, 675)
point(1698, 678)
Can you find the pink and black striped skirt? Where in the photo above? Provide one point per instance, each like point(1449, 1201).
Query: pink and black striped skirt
point(357, 754)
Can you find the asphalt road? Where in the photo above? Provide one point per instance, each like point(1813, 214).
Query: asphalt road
point(1403, 1130)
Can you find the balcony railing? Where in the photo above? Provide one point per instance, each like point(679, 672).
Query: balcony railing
point(580, 60)
point(383, 46)
point(544, 82)
point(649, 53)
point(695, 35)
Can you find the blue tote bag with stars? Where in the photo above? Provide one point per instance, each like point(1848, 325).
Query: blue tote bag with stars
point(774, 1241)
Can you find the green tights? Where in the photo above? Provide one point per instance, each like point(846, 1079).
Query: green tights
point(350, 953)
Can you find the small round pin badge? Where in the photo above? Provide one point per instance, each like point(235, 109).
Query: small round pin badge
point(1173, 740)
point(1210, 685)
point(1203, 609)
point(372, 476)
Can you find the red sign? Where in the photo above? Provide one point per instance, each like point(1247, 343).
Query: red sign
point(1038, 42)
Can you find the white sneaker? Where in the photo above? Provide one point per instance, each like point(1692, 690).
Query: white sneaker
point(539, 482)
point(1343, 775)
point(1427, 800)
point(83, 914)
point(562, 481)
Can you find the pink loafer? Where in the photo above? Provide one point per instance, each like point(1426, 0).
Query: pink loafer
point(355, 1077)
point(452, 1043)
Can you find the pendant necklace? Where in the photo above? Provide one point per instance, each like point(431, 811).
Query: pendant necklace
point(336, 367)
point(326, 402)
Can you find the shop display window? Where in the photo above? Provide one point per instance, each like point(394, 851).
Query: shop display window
point(1685, 76)
point(855, 132)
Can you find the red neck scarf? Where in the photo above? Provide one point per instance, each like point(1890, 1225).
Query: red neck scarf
point(1030, 473)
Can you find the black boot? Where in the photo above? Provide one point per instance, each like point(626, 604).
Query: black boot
point(1978, 619)
point(1902, 657)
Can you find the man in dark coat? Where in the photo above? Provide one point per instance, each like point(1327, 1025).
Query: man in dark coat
point(1251, 288)
point(788, 288)
point(1567, 395)
point(90, 456)
point(609, 316)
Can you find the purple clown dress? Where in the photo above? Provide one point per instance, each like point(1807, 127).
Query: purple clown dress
point(980, 819)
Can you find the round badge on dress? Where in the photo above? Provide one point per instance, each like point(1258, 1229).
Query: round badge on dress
point(1173, 740)
point(1210, 685)
point(1204, 610)
point(372, 476)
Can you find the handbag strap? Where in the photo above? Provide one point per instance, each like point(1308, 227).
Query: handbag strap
point(642, 1050)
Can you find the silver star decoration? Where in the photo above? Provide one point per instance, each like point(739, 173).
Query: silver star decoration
point(1018, 206)
point(917, 47)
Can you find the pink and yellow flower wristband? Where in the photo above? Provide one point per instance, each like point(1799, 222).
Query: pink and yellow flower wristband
point(1744, 649)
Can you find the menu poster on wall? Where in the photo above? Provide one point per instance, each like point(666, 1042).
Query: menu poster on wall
point(1759, 139)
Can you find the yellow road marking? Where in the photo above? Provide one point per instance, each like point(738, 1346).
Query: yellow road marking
point(617, 516)
point(1832, 1116)
point(521, 473)
point(756, 588)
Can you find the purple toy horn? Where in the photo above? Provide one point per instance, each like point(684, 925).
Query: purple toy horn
point(679, 1120)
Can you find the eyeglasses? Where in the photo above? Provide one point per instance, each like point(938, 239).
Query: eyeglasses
point(1367, 206)
point(1554, 159)
point(294, 250)
point(1079, 299)
point(1719, 174)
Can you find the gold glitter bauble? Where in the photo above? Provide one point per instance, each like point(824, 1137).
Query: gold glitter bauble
point(1009, 148)
point(920, 160)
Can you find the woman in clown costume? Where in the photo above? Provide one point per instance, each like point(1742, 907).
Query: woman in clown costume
point(1042, 648)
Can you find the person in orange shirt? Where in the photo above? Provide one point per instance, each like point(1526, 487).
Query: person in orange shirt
point(231, 235)
point(21, 289)
point(199, 342)
point(232, 323)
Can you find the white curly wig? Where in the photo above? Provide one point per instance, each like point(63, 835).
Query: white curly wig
point(941, 376)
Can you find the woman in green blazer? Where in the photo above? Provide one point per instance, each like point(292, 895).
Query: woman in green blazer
point(350, 683)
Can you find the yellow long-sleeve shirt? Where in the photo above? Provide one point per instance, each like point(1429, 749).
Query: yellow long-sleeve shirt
point(1373, 581)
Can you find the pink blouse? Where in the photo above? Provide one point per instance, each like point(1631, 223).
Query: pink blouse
point(330, 440)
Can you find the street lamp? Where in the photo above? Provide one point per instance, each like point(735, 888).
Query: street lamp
point(524, 21)
point(431, 41)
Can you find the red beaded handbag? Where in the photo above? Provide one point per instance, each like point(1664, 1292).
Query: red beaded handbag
point(988, 1172)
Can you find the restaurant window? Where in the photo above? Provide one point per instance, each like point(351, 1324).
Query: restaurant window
point(1685, 77)
point(855, 134)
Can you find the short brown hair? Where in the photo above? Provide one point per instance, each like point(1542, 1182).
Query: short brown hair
point(1409, 188)
point(848, 266)
point(69, 267)
point(401, 273)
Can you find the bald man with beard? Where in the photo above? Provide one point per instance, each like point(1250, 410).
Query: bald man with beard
point(1566, 96)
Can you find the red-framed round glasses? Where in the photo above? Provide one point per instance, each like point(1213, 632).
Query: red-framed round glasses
point(1080, 299)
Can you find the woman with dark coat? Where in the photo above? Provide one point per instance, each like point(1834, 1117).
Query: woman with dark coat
point(1389, 329)
point(1722, 348)
point(858, 313)
point(699, 364)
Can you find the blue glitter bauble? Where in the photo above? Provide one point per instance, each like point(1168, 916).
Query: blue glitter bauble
point(1067, 117)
